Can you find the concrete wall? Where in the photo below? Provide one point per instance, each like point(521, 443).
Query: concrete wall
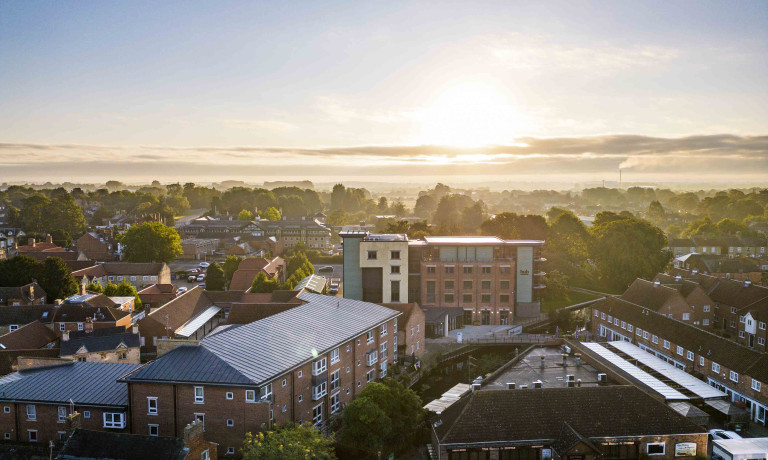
point(385, 262)
point(353, 276)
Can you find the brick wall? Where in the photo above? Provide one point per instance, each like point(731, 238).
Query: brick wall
point(15, 426)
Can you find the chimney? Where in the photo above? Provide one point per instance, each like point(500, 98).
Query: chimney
point(193, 434)
point(48, 238)
point(166, 345)
point(537, 384)
point(73, 422)
point(475, 387)
point(543, 362)
point(64, 336)
point(135, 328)
point(88, 326)
point(31, 242)
point(81, 289)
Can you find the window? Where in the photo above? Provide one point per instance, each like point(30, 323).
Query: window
point(79, 326)
point(705, 321)
point(645, 335)
point(449, 269)
point(734, 377)
point(334, 359)
point(504, 298)
point(301, 398)
point(630, 327)
point(383, 330)
point(371, 357)
point(449, 285)
point(680, 350)
point(230, 395)
point(114, 420)
point(199, 395)
point(430, 269)
point(319, 366)
point(689, 355)
point(741, 334)
point(733, 323)
point(656, 448)
point(395, 255)
point(62, 435)
point(348, 348)
point(62, 413)
point(319, 391)
point(284, 409)
point(466, 298)
point(32, 435)
point(467, 270)
point(7, 436)
point(383, 347)
point(655, 339)
point(761, 325)
point(31, 412)
point(504, 269)
point(317, 415)
point(370, 375)
point(395, 269)
point(300, 374)
point(335, 380)
point(265, 392)
point(733, 310)
point(205, 455)
point(418, 328)
point(686, 316)
point(666, 344)
point(449, 298)
point(760, 341)
point(62, 328)
point(485, 270)
point(741, 319)
point(200, 418)
point(639, 332)
point(13, 327)
point(154, 430)
point(485, 298)
point(372, 255)
point(369, 337)
point(505, 285)
point(466, 284)
point(230, 422)
point(602, 316)
point(7, 409)
point(485, 285)
point(383, 367)
point(623, 324)
point(86, 414)
point(715, 368)
point(151, 406)
point(335, 403)
point(250, 395)
point(230, 450)
point(145, 278)
point(706, 308)
point(394, 291)
point(756, 385)
point(701, 361)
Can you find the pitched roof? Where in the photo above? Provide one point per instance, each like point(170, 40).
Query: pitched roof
point(121, 268)
point(22, 292)
point(26, 314)
point(95, 343)
point(686, 287)
point(92, 299)
point(180, 309)
point(159, 288)
point(28, 337)
point(312, 283)
point(105, 445)
point(725, 352)
point(649, 295)
point(257, 352)
point(75, 313)
point(592, 412)
point(406, 309)
point(250, 267)
point(83, 382)
point(723, 290)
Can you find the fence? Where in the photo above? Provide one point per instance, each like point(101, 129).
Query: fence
point(520, 338)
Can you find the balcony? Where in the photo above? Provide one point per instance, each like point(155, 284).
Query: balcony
point(540, 274)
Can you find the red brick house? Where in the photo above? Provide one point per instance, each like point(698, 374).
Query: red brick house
point(411, 338)
point(250, 268)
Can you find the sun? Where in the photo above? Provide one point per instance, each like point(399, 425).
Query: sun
point(469, 115)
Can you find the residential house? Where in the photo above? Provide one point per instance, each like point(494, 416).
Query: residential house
point(250, 268)
point(30, 340)
point(585, 423)
point(73, 317)
point(40, 246)
point(19, 296)
point(12, 318)
point(105, 345)
point(96, 247)
point(739, 371)
point(752, 325)
point(742, 268)
point(254, 306)
point(746, 247)
point(10, 239)
point(411, 330)
point(138, 275)
point(157, 295)
point(36, 402)
point(198, 248)
point(303, 364)
point(669, 301)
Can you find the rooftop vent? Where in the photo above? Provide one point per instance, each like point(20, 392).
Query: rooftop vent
point(678, 278)
point(510, 385)
point(656, 283)
point(695, 270)
point(747, 283)
point(537, 384)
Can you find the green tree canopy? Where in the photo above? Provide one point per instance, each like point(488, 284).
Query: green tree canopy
point(263, 284)
point(56, 279)
point(230, 266)
point(19, 270)
point(271, 213)
point(214, 278)
point(151, 242)
point(245, 215)
point(366, 427)
point(289, 442)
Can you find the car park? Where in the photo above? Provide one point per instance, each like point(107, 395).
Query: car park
point(326, 269)
point(191, 278)
point(181, 290)
point(203, 264)
point(200, 277)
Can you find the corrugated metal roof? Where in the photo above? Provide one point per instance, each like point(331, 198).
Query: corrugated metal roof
point(197, 322)
point(83, 382)
point(257, 352)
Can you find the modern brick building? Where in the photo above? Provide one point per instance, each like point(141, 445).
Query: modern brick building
point(301, 365)
point(491, 279)
point(739, 371)
point(671, 300)
point(138, 275)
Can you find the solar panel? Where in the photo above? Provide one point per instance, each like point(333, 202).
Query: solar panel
point(647, 379)
point(680, 377)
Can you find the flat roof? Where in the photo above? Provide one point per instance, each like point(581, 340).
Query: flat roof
point(678, 376)
point(753, 448)
point(645, 378)
point(448, 398)
point(553, 375)
point(386, 237)
point(480, 240)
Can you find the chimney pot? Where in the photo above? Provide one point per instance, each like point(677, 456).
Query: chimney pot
point(31, 242)
point(48, 238)
point(82, 289)
point(65, 336)
point(88, 326)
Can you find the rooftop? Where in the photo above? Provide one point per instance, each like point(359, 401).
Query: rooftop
point(480, 240)
point(553, 375)
point(104, 445)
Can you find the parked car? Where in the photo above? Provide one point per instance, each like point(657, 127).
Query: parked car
point(326, 269)
point(191, 278)
point(201, 285)
point(724, 434)
point(181, 290)
point(201, 277)
point(203, 264)
point(334, 289)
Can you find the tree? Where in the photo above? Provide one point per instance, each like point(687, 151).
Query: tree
point(271, 213)
point(230, 267)
point(398, 209)
point(94, 287)
point(151, 242)
point(625, 250)
point(382, 207)
point(125, 289)
point(263, 284)
point(656, 212)
point(471, 218)
point(289, 442)
point(110, 290)
point(19, 270)
point(245, 215)
point(56, 279)
point(557, 285)
point(214, 278)
point(366, 427)
point(425, 206)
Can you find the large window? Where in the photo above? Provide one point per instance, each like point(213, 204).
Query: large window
point(485, 285)
point(394, 255)
point(319, 366)
point(319, 391)
point(334, 356)
point(656, 448)
point(335, 403)
point(372, 255)
point(335, 380)
point(31, 412)
point(152, 406)
point(466, 284)
point(317, 415)
point(199, 395)
point(62, 413)
point(114, 420)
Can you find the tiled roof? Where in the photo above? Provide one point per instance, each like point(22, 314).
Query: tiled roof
point(82, 382)
point(122, 268)
point(592, 412)
point(180, 309)
point(21, 292)
point(28, 337)
point(105, 445)
point(257, 352)
point(73, 313)
point(649, 295)
point(26, 314)
point(250, 267)
point(715, 348)
point(160, 288)
point(725, 291)
point(685, 287)
point(98, 343)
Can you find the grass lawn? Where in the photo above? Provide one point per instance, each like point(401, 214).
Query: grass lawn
point(548, 305)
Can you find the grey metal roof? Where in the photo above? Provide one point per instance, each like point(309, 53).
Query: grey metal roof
point(99, 343)
point(197, 322)
point(83, 382)
point(257, 352)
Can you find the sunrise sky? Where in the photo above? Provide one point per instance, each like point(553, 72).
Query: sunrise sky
point(198, 90)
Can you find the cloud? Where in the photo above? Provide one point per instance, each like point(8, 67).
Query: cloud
point(262, 125)
point(723, 155)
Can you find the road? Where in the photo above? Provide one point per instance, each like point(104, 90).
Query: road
point(191, 214)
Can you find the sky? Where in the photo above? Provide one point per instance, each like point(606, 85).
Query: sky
point(400, 91)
